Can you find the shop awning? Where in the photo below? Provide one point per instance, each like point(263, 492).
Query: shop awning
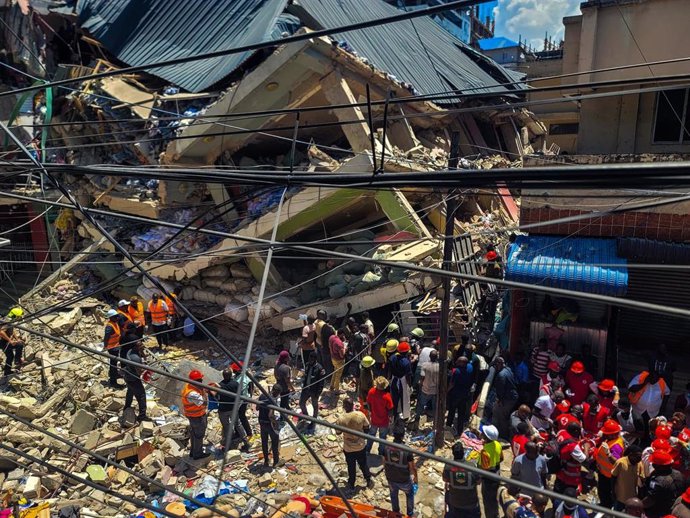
point(580, 264)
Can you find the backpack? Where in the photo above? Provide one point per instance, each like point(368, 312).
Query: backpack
point(552, 451)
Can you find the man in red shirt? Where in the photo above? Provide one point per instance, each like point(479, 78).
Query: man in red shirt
point(517, 443)
point(594, 415)
point(572, 457)
point(577, 382)
point(380, 404)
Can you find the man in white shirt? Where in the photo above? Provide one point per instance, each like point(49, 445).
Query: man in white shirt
point(649, 391)
point(428, 385)
point(646, 393)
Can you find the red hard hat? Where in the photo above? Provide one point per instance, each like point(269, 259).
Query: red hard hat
point(606, 385)
point(196, 375)
point(553, 366)
point(577, 367)
point(236, 367)
point(611, 427)
point(661, 458)
point(663, 432)
point(686, 496)
point(491, 255)
point(661, 445)
point(403, 347)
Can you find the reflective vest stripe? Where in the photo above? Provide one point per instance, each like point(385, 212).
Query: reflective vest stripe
point(124, 314)
point(114, 339)
point(158, 314)
point(190, 409)
point(170, 301)
point(602, 458)
point(634, 397)
point(137, 313)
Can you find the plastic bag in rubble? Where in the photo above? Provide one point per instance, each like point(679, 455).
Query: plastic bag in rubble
point(369, 280)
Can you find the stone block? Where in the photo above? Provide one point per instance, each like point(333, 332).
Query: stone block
point(62, 323)
point(32, 488)
point(233, 456)
point(82, 422)
point(146, 429)
point(92, 440)
point(265, 480)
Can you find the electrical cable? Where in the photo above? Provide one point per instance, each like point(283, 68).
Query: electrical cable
point(85, 481)
point(455, 4)
point(434, 271)
point(334, 426)
point(123, 467)
point(451, 111)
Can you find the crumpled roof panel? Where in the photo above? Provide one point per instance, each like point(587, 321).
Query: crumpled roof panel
point(433, 62)
point(139, 32)
point(591, 265)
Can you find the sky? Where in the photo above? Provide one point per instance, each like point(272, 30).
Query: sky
point(531, 18)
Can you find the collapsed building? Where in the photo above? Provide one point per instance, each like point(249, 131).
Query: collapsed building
point(239, 112)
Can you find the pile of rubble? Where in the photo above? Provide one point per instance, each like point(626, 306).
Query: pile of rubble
point(62, 391)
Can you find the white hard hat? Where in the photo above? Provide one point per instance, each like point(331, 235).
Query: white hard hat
point(111, 313)
point(490, 431)
point(123, 302)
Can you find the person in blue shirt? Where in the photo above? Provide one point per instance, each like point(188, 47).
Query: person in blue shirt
point(460, 382)
point(522, 377)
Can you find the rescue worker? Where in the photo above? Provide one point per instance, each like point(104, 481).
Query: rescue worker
point(226, 405)
point(12, 343)
point(609, 451)
point(366, 381)
point(401, 472)
point(136, 313)
point(133, 379)
point(194, 408)
point(401, 380)
point(681, 507)
point(571, 458)
point(111, 341)
point(127, 326)
point(662, 487)
point(174, 314)
point(159, 319)
point(594, 415)
point(387, 353)
point(490, 459)
point(462, 500)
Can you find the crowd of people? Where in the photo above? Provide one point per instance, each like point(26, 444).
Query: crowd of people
point(547, 414)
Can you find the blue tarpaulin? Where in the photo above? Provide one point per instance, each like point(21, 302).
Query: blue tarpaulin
point(581, 264)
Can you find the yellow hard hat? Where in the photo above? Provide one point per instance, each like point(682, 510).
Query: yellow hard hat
point(391, 345)
point(367, 362)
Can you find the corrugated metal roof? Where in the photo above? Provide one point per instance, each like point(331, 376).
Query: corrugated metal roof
point(396, 49)
point(641, 250)
point(139, 32)
point(580, 264)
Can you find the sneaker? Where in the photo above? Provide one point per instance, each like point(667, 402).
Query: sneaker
point(144, 418)
point(245, 447)
point(279, 464)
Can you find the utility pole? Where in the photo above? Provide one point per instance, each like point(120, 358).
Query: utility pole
point(448, 247)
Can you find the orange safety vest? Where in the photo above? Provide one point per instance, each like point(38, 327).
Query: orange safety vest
point(114, 339)
point(602, 459)
point(172, 309)
point(126, 315)
point(158, 314)
point(634, 397)
point(190, 409)
point(137, 314)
